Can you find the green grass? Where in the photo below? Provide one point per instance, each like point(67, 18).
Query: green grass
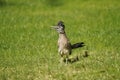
point(28, 49)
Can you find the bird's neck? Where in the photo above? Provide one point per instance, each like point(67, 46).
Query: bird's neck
point(62, 35)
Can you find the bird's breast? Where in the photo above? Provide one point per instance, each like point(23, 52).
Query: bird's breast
point(63, 51)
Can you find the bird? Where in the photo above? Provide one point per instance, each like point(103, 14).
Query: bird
point(64, 46)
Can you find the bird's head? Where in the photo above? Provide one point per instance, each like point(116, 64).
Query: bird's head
point(59, 27)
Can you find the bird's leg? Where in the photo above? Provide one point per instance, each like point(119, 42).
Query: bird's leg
point(66, 59)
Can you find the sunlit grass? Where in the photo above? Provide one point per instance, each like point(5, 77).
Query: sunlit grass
point(28, 47)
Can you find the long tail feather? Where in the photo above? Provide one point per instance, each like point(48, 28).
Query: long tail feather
point(77, 45)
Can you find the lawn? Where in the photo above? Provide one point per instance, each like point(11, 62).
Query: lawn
point(28, 46)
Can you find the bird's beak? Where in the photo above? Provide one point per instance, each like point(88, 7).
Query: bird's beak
point(54, 27)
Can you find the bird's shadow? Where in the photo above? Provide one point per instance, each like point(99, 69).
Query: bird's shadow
point(72, 60)
point(76, 59)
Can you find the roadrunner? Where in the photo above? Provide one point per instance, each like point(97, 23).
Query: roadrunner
point(64, 45)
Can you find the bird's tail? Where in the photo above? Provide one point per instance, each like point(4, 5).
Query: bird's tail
point(77, 45)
